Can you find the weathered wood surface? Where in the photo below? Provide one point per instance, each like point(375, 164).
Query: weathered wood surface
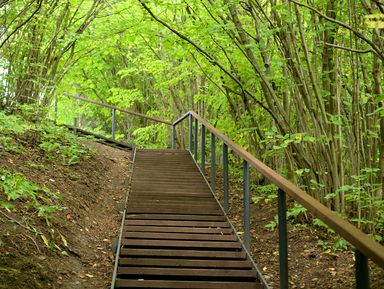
point(175, 234)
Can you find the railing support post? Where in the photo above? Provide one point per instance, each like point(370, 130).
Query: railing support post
point(225, 178)
point(195, 136)
point(283, 241)
point(190, 132)
point(213, 163)
point(362, 270)
point(75, 125)
point(173, 137)
point(202, 166)
point(247, 206)
point(55, 110)
point(113, 122)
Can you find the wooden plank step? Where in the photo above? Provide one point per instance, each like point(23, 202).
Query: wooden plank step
point(175, 217)
point(194, 230)
point(174, 211)
point(244, 264)
point(158, 197)
point(180, 244)
point(174, 204)
point(177, 223)
point(187, 253)
point(186, 284)
point(178, 236)
point(172, 194)
point(142, 272)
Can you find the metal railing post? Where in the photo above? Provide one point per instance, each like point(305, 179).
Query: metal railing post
point(213, 163)
point(225, 178)
point(283, 240)
point(113, 122)
point(247, 206)
point(202, 166)
point(362, 270)
point(195, 136)
point(173, 137)
point(75, 125)
point(190, 132)
point(55, 110)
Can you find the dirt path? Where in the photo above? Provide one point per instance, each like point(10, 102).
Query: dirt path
point(92, 192)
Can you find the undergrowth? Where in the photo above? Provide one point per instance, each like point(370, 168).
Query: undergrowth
point(57, 143)
point(36, 199)
point(23, 132)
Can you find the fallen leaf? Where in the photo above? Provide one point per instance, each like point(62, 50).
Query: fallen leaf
point(45, 240)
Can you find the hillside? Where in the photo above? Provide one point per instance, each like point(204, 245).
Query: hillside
point(59, 200)
point(61, 238)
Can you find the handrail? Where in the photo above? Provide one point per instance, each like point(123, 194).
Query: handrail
point(119, 109)
point(349, 232)
point(365, 246)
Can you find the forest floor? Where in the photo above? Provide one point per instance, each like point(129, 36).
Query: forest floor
point(310, 265)
point(92, 192)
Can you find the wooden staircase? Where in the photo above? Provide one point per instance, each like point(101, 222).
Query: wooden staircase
point(175, 234)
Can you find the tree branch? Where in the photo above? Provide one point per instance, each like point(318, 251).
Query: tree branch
point(22, 24)
point(212, 60)
point(375, 48)
point(349, 49)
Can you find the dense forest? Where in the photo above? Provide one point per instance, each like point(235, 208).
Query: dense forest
point(297, 83)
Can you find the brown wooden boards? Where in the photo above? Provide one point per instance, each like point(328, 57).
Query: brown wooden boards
point(175, 234)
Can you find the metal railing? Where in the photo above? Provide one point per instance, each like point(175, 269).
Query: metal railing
point(113, 112)
point(365, 246)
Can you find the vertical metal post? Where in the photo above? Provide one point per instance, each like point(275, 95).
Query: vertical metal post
point(362, 270)
point(213, 162)
point(195, 136)
point(283, 241)
point(190, 132)
point(247, 206)
point(113, 122)
point(55, 110)
point(75, 125)
point(202, 166)
point(225, 178)
point(173, 136)
point(76, 122)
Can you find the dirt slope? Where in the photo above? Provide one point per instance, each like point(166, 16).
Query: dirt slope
point(91, 193)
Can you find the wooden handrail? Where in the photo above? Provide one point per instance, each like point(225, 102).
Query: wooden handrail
point(349, 232)
point(156, 119)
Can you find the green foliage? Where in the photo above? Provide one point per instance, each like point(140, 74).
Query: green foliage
point(332, 247)
point(270, 97)
point(9, 144)
point(12, 124)
point(330, 242)
point(272, 225)
point(33, 113)
point(150, 136)
point(59, 143)
point(320, 224)
point(14, 187)
point(297, 213)
point(263, 192)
